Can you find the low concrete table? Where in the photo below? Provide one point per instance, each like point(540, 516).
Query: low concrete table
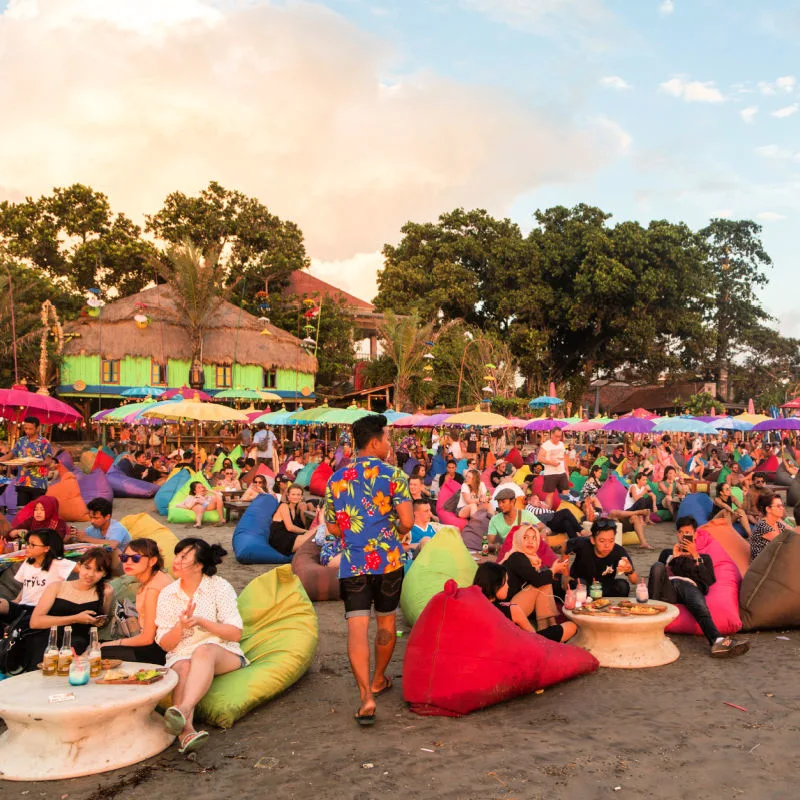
point(628, 642)
point(105, 727)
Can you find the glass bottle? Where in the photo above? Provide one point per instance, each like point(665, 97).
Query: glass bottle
point(580, 594)
point(642, 595)
point(65, 653)
point(596, 590)
point(485, 545)
point(50, 659)
point(95, 654)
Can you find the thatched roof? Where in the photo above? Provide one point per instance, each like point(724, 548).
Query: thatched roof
point(233, 335)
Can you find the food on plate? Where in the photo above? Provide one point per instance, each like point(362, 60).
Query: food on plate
point(146, 674)
point(114, 675)
point(601, 602)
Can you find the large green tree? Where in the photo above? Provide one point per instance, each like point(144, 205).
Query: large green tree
point(73, 236)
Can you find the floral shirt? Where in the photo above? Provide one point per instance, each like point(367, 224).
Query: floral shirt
point(33, 477)
point(362, 499)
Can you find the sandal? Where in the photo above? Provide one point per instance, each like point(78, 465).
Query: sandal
point(386, 686)
point(364, 720)
point(174, 721)
point(193, 741)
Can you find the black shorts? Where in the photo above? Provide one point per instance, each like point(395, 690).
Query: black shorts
point(555, 483)
point(361, 592)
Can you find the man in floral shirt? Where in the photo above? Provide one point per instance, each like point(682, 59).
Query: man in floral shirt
point(368, 505)
point(31, 481)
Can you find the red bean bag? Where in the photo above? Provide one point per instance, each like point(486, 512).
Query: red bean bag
point(769, 466)
point(319, 480)
point(537, 487)
point(515, 457)
point(449, 488)
point(612, 493)
point(463, 654)
point(71, 507)
point(544, 552)
point(722, 597)
point(102, 461)
point(734, 545)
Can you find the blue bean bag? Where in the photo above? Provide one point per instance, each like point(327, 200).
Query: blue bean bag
point(125, 486)
point(167, 490)
point(438, 465)
point(303, 477)
point(408, 467)
point(251, 537)
point(93, 485)
point(700, 506)
point(461, 466)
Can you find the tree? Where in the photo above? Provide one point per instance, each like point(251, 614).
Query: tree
point(735, 261)
point(701, 404)
point(75, 239)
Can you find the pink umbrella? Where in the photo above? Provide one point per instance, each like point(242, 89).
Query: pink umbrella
point(186, 393)
point(408, 422)
point(584, 425)
point(18, 403)
point(641, 413)
point(432, 421)
point(518, 423)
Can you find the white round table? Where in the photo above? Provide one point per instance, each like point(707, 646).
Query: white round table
point(628, 642)
point(105, 727)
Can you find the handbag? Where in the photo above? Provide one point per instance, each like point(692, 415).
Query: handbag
point(11, 649)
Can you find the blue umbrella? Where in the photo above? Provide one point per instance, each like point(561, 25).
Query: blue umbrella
point(281, 417)
point(544, 401)
point(684, 425)
point(392, 415)
point(142, 391)
point(731, 424)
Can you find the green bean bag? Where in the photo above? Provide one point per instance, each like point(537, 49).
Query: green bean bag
point(175, 514)
point(737, 492)
point(577, 480)
point(445, 556)
point(279, 639)
point(723, 473)
point(303, 477)
point(221, 458)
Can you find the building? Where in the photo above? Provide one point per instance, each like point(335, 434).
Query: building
point(139, 341)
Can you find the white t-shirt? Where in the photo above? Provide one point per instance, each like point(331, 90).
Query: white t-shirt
point(465, 496)
point(455, 450)
point(34, 580)
point(553, 452)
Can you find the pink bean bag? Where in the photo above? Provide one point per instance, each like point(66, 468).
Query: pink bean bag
point(102, 461)
point(612, 493)
point(449, 488)
point(544, 552)
point(515, 457)
point(463, 654)
point(722, 597)
point(485, 478)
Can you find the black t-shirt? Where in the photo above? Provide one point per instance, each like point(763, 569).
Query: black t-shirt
point(588, 566)
point(495, 477)
point(472, 442)
point(458, 478)
point(521, 573)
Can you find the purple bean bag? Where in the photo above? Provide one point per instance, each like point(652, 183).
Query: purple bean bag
point(125, 486)
point(65, 459)
point(95, 484)
point(8, 498)
point(612, 494)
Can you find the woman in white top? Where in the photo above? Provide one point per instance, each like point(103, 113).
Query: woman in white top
point(44, 565)
point(474, 495)
point(640, 498)
point(199, 626)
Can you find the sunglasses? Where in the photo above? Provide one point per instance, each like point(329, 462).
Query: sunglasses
point(124, 558)
point(605, 525)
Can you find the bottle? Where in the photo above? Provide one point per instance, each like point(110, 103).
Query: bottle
point(50, 660)
point(485, 544)
point(65, 653)
point(642, 595)
point(95, 654)
point(569, 599)
point(580, 594)
point(595, 590)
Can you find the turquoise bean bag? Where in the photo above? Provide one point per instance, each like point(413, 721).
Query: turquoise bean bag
point(184, 515)
point(167, 490)
point(303, 477)
point(251, 537)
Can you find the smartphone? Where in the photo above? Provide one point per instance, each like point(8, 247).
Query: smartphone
point(101, 620)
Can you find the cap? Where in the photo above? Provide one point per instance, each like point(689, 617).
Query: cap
point(506, 494)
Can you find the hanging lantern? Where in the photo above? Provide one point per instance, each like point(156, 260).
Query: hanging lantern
point(490, 366)
point(427, 379)
point(93, 312)
point(263, 306)
point(428, 368)
point(266, 332)
point(487, 389)
point(262, 293)
point(142, 321)
point(308, 301)
point(263, 320)
point(429, 355)
point(93, 301)
point(309, 342)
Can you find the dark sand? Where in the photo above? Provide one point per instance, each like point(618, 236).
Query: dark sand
point(662, 732)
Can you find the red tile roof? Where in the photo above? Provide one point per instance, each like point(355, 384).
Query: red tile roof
point(304, 283)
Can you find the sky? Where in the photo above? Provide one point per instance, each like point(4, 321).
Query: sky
point(352, 117)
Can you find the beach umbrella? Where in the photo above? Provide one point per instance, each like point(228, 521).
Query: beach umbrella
point(481, 419)
point(185, 393)
point(584, 426)
point(345, 416)
point(731, 424)
point(309, 416)
point(197, 411)
point(517, 423)
point(545, 424)
point(792, 403)
point(246, 394)
point(433, 420)
point(753, 419)
point(280, 417)
point(142, 391)
point(18, 403)
point(780, 424)
point(684, 425)
point(100, 415)
point(130, 410)
point(629, 425)
point(642, 413)
point(393, 416)
point(409, 421)
point(544, 400)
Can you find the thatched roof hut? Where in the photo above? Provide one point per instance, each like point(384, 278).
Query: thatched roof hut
point(233, 335)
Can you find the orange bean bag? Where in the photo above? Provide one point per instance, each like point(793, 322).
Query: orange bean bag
point(733, 544)
point(71, 506)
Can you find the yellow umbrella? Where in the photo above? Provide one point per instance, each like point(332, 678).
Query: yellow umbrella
point(270, 397)
point(485, 419)
point(753, 419)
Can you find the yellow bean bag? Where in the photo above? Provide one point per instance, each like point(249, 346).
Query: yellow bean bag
point(520, 475)
point(143, 526)
point(279, 639)
point(71, 506)
point(86, 461)
point(573, 509)
point(175, 514)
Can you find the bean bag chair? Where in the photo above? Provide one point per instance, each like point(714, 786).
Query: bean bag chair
point(770, 592)
point(10, 587)
point(734, 545)
point(449, 488)
point(303, 477)
point(409, 464)
point(783, 477)
point(321, 583)
point(737, 492)
point(485, 475)
point(612, 493)
point(723, 474)
point(463, 654)
point(537, 487)
point(476, 528)
point(745, 462)
point(126, 486)
point(545, 551)
point(521, 474)
point(95, 484)
point(251, 535)
point(65, 459)
point(722, 597)
point(577, 480)
point(444, 557)
point(103, 460)
point(515, 457)
point(319, 479)
point(8, 498)
point(261, 469)
point(573, 509)
point(279, 639)
point(86, 461)
point(438, 465)
point(71, 506)
point(143, 526)
point(700, 506)
point(769, 466)
point(186, 515)
point(167, 490)
point(793, 493)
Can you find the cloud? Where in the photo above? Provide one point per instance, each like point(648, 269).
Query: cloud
point(749, 114)
point(692, 91)
point(770, 216)
point(786, 84)
point(615, 82)
point(722, 213)
point(356, 275)
point(777, 153)
point(666, 8)
point(616, 134)
point(287, 103)
point(786, 111)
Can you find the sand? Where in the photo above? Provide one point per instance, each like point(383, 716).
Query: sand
point(664, 732)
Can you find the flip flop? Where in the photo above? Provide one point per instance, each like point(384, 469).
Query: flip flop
point(193, 741)
point(364, 720)
point(386, 687)
point(174, 721)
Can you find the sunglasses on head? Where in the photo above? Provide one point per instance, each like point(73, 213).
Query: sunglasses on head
point(605, 525)
point(125, 558)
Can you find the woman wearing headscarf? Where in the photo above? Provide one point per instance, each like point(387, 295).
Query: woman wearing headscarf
point(37, 515)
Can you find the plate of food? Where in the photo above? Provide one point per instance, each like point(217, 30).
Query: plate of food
point(642, 609)
point(141, 677)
